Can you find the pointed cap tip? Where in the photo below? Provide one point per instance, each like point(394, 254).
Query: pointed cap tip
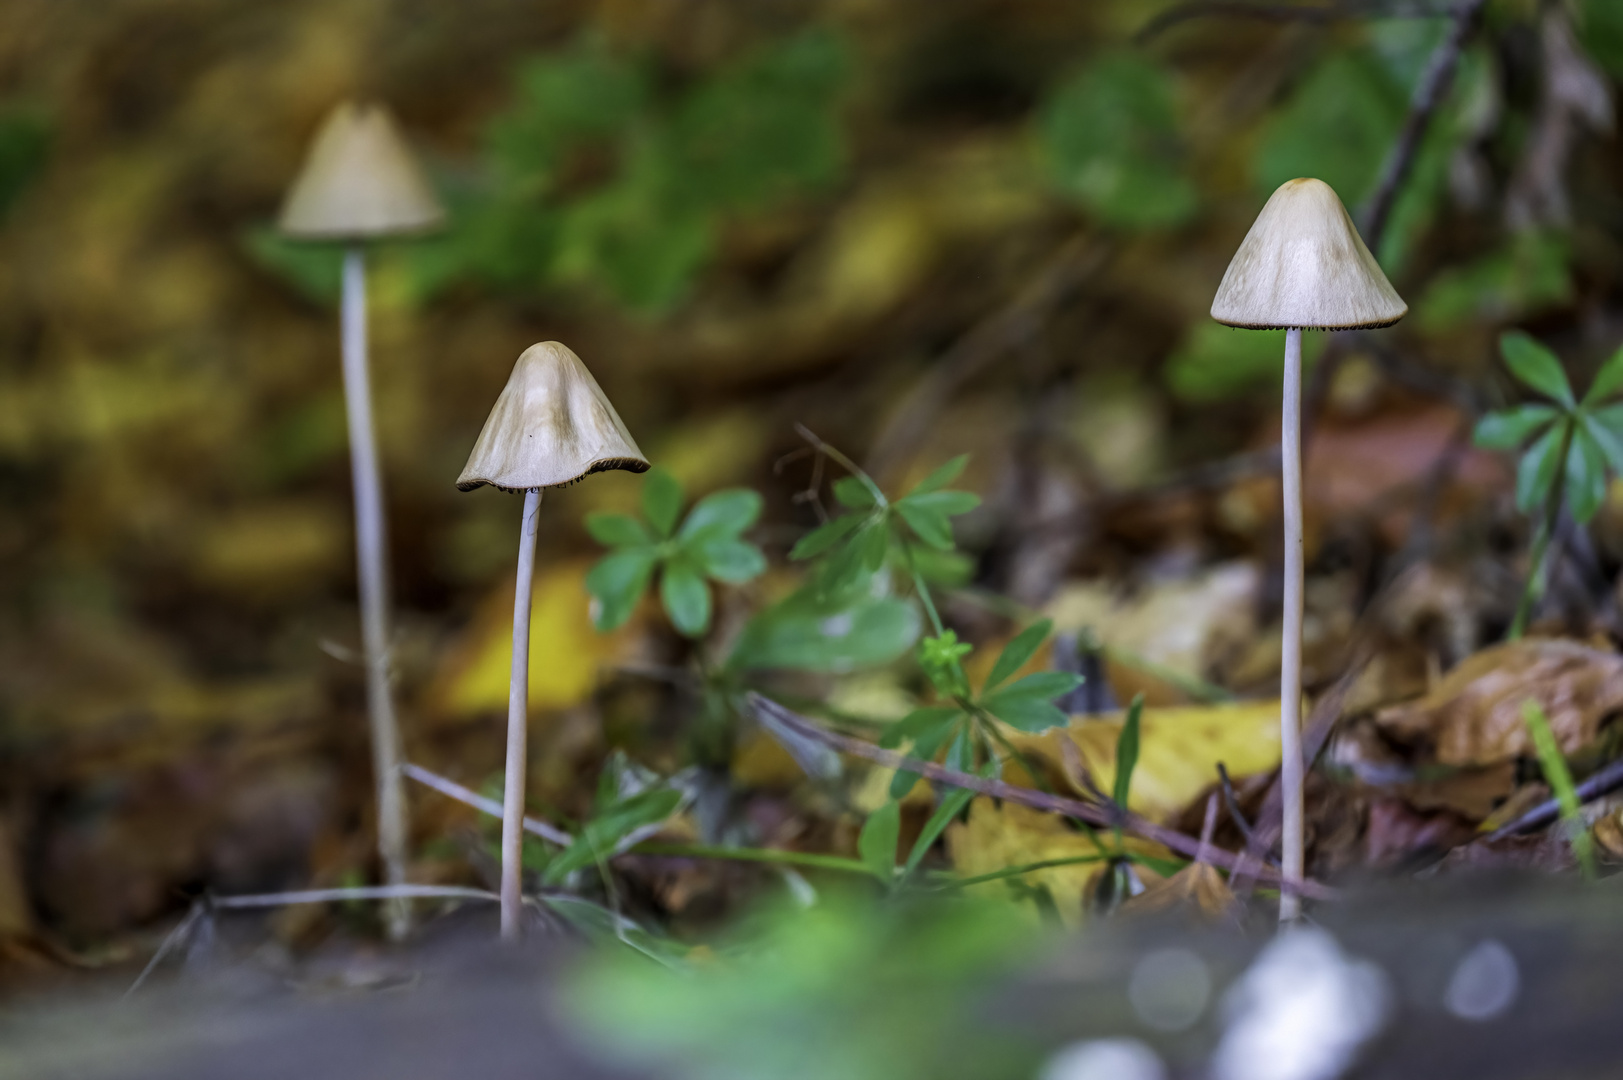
point(1304, 266)
point(359, 180)
point(551, 426)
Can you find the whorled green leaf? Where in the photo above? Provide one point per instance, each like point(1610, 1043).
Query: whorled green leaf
point(923, 721)
point(727, 559)
point(951, 806)
point(1586, 476)
point(925, 745)
point(617, 530)
point(661, 501)
point(1015, 654)
point(1608, 380)
point(1607, 437)
point(618, 581)
point(1535, 366)
point(1029, 703)
point(928, 525)
point(825, 536)
point(1536, 470)
point(721, 514)
point(809, 631)
point(686, 597)
point(941, 476)
point(851, 493)
point(1509, 428)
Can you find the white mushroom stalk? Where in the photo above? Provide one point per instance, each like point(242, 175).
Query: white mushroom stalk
point(360, 183)
point(1302, 266)
point(551, 426)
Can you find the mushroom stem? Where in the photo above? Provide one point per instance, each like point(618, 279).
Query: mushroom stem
point(371, 560)
point(518, 700)
point(1290, 666)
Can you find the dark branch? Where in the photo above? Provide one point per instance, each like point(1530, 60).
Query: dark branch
point(1428, 97)
point(772, 714)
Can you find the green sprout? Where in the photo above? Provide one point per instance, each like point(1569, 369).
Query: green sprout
point(707, 546)
point(1569, 447)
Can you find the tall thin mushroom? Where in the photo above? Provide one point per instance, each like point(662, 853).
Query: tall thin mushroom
point(551, 426)
point(359, 183)
point(1302, 266)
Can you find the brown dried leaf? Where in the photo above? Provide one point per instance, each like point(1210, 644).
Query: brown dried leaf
point(1198, 888)
point(1474, 715)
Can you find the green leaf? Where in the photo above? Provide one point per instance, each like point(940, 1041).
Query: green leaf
point(618, 582)
point(1607, 438)
point(1586, 476)
point(950, 808)
point(948, 503)
point(661, 501)
point(876, 844)
point(925, 745)
point(1535, 366)
point(1043, 684)
point(1017, 652)
point(1127, 751)
point(851, 493)
point(1536, 470)
point(931, 527)
point(1608, 380)
point(617, 530)
point(1530, 274)
point(1510, 428)
point(729, 560)
point(686, 597)
point(1336, 125)
point(1026, 713)
point(871, 544)
point(601, 837)
point(941, 477)
point(722, 514)
point(825, 536)
point(1110, 138)
point(921, 722)
point(1610, 417)
point(813, 632)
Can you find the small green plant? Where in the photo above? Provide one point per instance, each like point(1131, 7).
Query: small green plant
point(707, 546)
point(1559, 778)
point(1568, 447)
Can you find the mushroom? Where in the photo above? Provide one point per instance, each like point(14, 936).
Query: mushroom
point(359, 183)
point(1302, 266)
point(551, 426)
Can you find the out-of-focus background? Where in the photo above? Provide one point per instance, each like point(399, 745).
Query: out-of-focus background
point(917, 229)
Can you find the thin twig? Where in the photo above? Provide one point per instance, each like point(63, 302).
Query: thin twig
point(1428, 96)
point(452, 789)
point(170, 942)
point(1233, 804)
point(1603, 782)
point(1091, 813)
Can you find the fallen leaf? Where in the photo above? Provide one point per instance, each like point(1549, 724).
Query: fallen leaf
point(1179, 749)
point(1474, 715)
point(566, 652)
point(1198, 888)
point(997, 837)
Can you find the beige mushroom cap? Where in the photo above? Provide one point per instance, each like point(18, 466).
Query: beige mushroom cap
point(359, 181)
point(1304, 266)
point(551, 426)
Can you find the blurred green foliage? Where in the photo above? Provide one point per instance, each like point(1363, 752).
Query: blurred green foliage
point(603, 177)
point(25, 140)
point(1109, 135)
point(1215, 362)
point(1600, 29)
point(1526, 275)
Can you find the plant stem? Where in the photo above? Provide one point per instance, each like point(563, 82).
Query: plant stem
point(1290, 666)
point(762, 855)
point(371, 558)
point(518, 701)
point(1536, 570)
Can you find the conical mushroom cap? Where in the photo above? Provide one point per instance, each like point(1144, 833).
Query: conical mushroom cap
point(1304, 266)
point(551, 426)
point(359, 181)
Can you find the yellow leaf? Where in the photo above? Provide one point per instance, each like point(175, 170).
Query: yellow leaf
point(1179, 749)
point(998, 837)
point(566, 651)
